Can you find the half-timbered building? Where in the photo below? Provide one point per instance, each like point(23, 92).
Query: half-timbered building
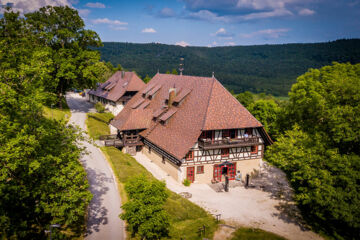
point(116, 91)
point(190, 125)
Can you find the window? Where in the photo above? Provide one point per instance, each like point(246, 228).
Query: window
point(200, 169)
point(189, 155)
point(225, 134)
point(149, 149)
point(207, 134)
point(225, 152)
point(233, 133)
point(163, 159)
point(248, 131)
point(254, 149)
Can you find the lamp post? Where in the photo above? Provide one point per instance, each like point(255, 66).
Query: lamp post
point(51, 227)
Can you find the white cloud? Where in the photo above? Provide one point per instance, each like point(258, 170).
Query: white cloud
point(108, 21)
point(306, 12)
point(207, 16)
point(267, 33)
point(213, 44)
point(182, 43)
point(223, 34)
point(230, 43)
point(84, 12)
point(167, 12)
point(148, 30)
point(95, 5)
point(25, 6)
point(260, 15)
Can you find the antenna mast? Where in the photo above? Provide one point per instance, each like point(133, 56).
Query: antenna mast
point(181, 65)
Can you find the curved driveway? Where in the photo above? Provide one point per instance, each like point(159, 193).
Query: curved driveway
point(103, 215)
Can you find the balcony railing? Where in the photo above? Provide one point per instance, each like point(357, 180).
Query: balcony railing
point(228, 143)
point(128, 140)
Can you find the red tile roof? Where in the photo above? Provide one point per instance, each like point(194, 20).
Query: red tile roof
point(207, 105)
point(116, 86)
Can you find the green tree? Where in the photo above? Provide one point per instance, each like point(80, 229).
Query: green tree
point(41, 179)
point(267, 112)
point(174, 72)
point(144, 212)
point(245, 98)
point(326, 183)
point(147, 79)
point(327, 100)
point(63, 31)
point(168, 72)
point(320, 150)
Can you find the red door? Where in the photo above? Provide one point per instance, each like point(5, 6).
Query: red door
point(217, 173)
point(190, 174)
point(232, 171)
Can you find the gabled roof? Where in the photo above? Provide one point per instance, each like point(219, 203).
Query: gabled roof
point(116, 86)
point(205, 105)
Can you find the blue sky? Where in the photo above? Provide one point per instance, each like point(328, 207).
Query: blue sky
point(215, 22)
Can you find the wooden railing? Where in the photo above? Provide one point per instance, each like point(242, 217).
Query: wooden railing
point(108, 137)
point(128, 140)
point(228, 143)
point(132, 140)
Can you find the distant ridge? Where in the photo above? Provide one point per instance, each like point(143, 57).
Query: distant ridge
point(259, 68)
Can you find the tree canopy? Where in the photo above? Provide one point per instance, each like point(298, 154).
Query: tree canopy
point(41, 179)
point(320, 150)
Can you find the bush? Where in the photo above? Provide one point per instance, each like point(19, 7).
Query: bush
point(99, 107)
point(186, 182)
point(144, 212)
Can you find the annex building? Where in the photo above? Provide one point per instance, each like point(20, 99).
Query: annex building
point(117, 91)
point(190, 125)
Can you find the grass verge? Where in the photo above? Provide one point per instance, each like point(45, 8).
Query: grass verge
point(186, 218)
point(57, 113)
point(254, 234)
point(98, 124)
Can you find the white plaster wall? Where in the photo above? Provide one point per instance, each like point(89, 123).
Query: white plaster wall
point(113, 130)
point(115, 109)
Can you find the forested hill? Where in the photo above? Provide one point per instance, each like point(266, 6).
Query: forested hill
point(261, 68)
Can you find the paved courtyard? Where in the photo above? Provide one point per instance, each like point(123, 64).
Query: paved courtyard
point(268, 206)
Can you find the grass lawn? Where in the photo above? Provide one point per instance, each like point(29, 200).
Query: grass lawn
point(254, 234)
point(186, 217)
point(57, 113)
point(98, 124)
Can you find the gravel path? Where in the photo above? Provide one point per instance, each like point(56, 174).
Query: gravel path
point(103, 215)
point(268, 209)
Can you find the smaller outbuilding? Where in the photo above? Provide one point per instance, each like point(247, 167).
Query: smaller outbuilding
point(116, 91)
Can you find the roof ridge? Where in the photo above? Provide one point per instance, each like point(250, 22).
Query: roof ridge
point(207, 106)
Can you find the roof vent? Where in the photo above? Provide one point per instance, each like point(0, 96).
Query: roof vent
point(122, 74)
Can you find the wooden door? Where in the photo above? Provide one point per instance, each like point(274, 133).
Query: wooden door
point(232, 171)
point(190, 174)
point(217, 173)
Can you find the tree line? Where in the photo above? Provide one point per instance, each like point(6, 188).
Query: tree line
point(264, 68)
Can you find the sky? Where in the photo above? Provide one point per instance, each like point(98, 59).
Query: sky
point(213, 22)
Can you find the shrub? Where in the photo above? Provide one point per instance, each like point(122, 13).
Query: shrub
point(186, 182)
point(99, 107)
point(144, 212)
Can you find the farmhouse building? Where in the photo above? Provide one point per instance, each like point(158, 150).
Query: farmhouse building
point(189, 126)
point(117, 91)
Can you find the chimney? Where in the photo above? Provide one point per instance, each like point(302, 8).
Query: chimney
point(172, 95)
point(122, 74)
